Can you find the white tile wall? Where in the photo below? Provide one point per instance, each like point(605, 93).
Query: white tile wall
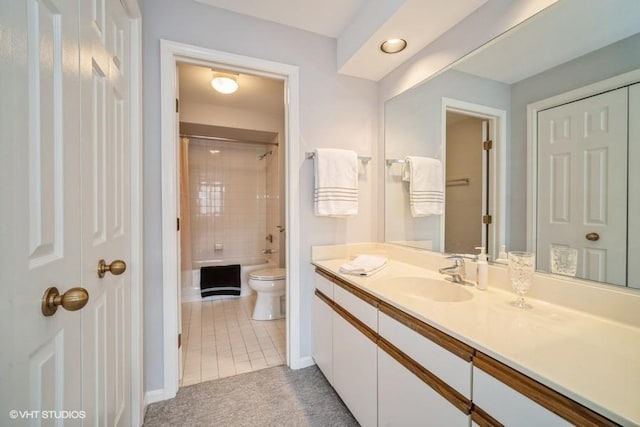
point(228, 196)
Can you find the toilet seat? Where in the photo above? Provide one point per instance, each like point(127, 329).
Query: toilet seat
point(268, 274)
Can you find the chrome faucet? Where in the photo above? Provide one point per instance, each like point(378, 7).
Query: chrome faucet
point(457, 271)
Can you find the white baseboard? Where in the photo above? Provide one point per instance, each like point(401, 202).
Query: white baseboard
point(153, 396)
point(302, 362)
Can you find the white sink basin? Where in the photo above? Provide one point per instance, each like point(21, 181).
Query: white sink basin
point(424, 288)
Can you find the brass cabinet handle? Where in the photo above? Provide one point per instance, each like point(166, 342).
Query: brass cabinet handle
point(72, 300)
point(593, 237)
point(116, 268)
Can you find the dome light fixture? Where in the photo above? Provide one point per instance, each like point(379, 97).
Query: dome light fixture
point(224, 82)
point(393, 45)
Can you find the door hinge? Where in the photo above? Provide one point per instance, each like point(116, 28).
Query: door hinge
point(486, 219)
point(177, 105)
point(487, 145)
point(178, 224)
point(179, 340)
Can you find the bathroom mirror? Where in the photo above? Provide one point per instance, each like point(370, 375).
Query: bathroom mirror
point(519, 191)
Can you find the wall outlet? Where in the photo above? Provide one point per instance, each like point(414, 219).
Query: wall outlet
point(218, 246)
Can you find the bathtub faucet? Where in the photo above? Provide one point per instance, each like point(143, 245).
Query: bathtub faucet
point(267, 251)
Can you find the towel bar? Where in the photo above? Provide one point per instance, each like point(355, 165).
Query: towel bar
point(392, 161)
point(363, 159)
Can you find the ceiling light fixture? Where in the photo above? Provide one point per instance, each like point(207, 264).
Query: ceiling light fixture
point(224, 82)
point(393, 45)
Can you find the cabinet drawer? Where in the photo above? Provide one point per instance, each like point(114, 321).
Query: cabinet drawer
point(447, 366)
point(324, 285)
point(363, 311)
point(512, 398)
point(508, 406)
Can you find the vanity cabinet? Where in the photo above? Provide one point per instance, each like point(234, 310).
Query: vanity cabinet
point(392, 369)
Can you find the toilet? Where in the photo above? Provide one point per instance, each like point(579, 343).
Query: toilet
point(270, 285)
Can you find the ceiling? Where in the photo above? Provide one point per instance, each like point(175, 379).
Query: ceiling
point(326, 17)
point(360, 26)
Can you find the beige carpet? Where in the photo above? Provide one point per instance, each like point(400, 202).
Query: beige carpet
point(275, 396)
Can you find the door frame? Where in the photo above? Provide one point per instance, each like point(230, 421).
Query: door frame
point(497, 174)
point(132, 9)
point(606, 85)
point(170, 53)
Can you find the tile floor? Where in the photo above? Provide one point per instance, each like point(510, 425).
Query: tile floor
point(220, 339)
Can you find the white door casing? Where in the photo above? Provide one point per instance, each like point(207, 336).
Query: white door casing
point(582, 158)
point(170, 52)
point(66, 132)
point(634, 194)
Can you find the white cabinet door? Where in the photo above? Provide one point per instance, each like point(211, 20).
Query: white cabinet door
point(355, 370)
point(405, 400)
point(582, 161)
point(322, 339)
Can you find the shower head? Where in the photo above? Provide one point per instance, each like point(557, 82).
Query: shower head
point(265, 155)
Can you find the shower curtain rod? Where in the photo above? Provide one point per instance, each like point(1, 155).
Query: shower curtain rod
point(217, 138)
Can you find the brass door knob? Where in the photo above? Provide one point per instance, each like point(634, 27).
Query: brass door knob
point(116, 268)
point(593, 237)
point(72, 300)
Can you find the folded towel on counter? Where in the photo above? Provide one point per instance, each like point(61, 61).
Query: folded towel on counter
point(426, 189)
point(364, 265)
point(336, 182)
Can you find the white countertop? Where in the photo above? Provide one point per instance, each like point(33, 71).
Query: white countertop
point(592, 360)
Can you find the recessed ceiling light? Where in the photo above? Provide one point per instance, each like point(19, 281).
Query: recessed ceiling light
point(393, 45)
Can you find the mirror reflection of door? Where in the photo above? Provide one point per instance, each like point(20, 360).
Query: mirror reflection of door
point(465, 193)
point(582, 196)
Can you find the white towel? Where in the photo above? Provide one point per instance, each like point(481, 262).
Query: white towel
point(364, 265)
point(426, 190)
point(336, 182)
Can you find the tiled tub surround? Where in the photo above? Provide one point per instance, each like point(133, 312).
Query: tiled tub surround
point(228, 194)
point(581, 340)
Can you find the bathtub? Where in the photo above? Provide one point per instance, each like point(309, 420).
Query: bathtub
point(191, 279)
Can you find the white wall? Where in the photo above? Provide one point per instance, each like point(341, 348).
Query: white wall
point(335, 111)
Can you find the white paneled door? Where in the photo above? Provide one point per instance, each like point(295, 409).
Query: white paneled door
point(582, 156)
point(65, 146)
